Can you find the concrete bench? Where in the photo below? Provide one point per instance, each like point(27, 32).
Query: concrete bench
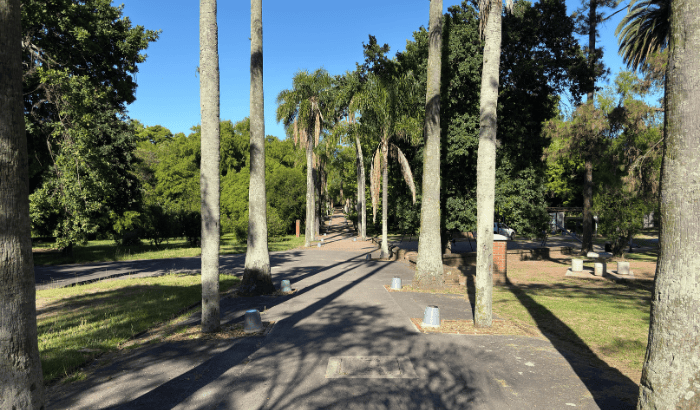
point(600, 263)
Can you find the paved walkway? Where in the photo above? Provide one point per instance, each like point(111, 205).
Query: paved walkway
point(342, 341)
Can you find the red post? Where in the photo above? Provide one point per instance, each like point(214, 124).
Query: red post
point(298, 227)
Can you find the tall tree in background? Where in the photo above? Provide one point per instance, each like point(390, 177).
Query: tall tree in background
point(670, 378)
point(209, 175)
point(302, 111)
point(21, 381)
point(256, 276)
point(490, 12)
point(429, 270)
point(385, 104)
point(588, 25)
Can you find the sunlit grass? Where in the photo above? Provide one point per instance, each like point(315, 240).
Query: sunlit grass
point(76, 324)
point(107, 250)
point(610, 319)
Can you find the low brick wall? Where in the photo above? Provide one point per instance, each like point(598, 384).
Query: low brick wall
point(468, 260)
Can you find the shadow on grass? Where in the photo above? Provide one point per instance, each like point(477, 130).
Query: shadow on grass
point(607, 384)
point(75, 329)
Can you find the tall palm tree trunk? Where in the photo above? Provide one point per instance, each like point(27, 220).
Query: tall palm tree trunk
point(429, 270)
point(385, 197)
point(256, 276)
point(361, 199)
point(209, 168)
point(486, 165)
point(310, 199)
point(671, 374)
point(22, 383)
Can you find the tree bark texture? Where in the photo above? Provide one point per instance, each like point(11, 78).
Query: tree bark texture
point(671, 373)
point(486, 167)
point(209, 168)
point(385, 197)
point(361, 199)
point(21, 380)
point(257, 278)
point(429, 270)
point(310, 200)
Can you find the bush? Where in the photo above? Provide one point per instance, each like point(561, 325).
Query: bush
point(620, 216)
point(127, 228)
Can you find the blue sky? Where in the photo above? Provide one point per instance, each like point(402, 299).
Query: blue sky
point(297, 35)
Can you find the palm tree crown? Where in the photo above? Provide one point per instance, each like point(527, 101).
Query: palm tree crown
point(643, 31)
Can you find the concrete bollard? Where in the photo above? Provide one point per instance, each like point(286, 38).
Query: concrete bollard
point(599, 268)
point(252, 323)
point(431, 317)
point(396, 283)
point(623, 268)
point(577, 265)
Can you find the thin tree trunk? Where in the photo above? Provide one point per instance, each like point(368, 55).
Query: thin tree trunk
point(317, 176)
point(429, 270)
point(310, 200)
point(256, 276)
point(486, 167)
point(209, 168)
point(21, 380)
point(385, 197)
point(361, 199)
point(671, 373)
point(587, 239)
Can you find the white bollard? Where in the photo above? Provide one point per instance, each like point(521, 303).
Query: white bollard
point(577, 265)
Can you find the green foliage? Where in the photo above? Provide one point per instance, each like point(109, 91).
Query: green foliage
point(620, 216)
point(126, 227)
point(79, 61)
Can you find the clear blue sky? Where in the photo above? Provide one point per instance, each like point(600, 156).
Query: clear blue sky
point(297, 35)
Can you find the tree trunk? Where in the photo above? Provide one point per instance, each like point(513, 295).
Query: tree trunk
point(317, 176)
point(429, 270)
point(310, 200)
point(361, 203)
point(21, 380)
point(256, 276)
point(671, 373)
point(587, 239)
point(486, 167)
point(209, 168)
point(385, 197)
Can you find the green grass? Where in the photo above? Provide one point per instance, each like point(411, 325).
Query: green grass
point(79, 323)
point(107, 250)
point(610, 320)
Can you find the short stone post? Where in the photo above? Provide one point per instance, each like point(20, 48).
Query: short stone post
point(623, 268)
point(599, 268)
point(577, 265)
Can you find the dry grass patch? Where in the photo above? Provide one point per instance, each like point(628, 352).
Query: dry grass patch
point(466, 327)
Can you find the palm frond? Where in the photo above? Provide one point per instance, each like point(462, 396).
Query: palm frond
point(643, 31)
point(375, 174)
point(405, 170)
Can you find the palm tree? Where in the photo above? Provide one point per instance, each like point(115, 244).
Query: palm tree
point(670, 374)
point(22, 384)
point(256, 276)
point(429, 270)
point(302, 111)
point(209, 175)
point(490, 26)
point(345, 87)
point(643, 31)
point(382, 103)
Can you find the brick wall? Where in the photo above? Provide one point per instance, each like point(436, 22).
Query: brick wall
point(500, 262)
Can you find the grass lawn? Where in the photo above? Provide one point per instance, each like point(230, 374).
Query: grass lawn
point(607, 320)
point(76, 324)
point(107, 250)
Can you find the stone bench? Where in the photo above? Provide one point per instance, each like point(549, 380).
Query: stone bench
point(600, 263)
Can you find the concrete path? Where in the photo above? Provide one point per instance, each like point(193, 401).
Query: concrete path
point(342, 341)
